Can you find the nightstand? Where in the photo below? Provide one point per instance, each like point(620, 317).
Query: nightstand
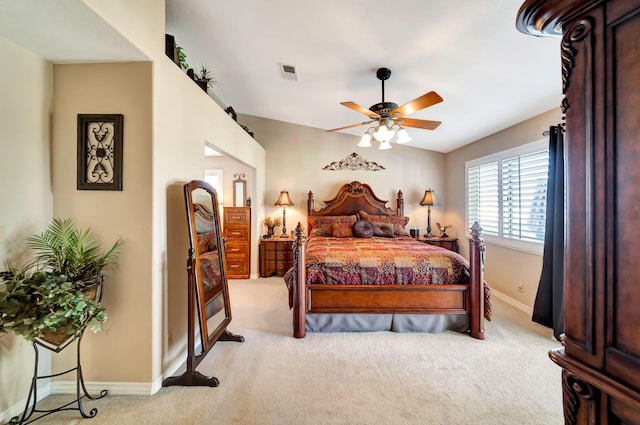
point(276, 256)
point(448, 243)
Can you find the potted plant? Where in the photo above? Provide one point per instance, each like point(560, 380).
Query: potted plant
point(56, 296)
point(182, 58)
point(271, 224)
point(204, 78)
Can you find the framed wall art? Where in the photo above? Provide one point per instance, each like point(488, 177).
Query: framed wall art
point(100, 151)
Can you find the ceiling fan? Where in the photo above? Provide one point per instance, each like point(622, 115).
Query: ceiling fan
point(390, 118)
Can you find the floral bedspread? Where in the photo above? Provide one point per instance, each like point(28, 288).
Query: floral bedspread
point(380, 261)
point(210, 266)
point(383, 261)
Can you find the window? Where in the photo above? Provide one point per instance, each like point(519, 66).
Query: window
point(214, 178)
point(507, 195)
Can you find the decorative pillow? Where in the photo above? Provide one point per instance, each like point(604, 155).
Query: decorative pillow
point(363, 229)
point(321, 226)
point(383, 229)
point(206, 242)
point(398, 221)
point(339, 230)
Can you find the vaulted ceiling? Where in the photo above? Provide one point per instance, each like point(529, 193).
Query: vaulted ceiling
point(468, 51)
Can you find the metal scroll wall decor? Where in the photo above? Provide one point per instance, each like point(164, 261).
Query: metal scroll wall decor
point(354, 162)
point(100, 151)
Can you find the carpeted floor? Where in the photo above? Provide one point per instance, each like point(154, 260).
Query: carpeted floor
point(353, 378)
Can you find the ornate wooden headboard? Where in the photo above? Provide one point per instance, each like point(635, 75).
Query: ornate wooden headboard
point(352, 198)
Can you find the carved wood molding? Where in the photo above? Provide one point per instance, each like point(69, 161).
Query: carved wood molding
point(353, 162)
point(577, 33)
point(573, 390)
point(547, 17)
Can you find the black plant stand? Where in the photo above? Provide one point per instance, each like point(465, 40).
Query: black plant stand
point(30, 407)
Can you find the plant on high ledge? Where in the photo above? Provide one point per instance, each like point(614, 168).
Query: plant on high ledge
point(205, 79)
point(182, 57)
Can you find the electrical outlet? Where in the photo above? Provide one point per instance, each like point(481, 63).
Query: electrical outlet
point(520, 287)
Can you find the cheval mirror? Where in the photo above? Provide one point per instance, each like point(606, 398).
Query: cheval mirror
point(208, 290)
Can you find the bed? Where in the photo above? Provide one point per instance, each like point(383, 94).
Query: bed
point(343, 280)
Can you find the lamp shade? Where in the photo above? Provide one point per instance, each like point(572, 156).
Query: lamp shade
point(284, 200)
point(365, 141)
point(384, 145)
point(429, 198)
point(403, 136)
point(383, 133)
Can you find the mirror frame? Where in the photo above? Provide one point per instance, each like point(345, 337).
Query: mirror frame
point(239, 189)
point(196, 302)
point(207, 338)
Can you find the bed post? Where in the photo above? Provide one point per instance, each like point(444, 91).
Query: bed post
point(299, 287)
point(400, 203)
point(476, 282)
point(310, 204)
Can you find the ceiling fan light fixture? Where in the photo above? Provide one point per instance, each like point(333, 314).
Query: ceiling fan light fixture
point(383, 133)
point(403, 136)
point(365, 141)
point(384, 145)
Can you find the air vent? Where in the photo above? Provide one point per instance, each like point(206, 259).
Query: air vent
point(288, 72)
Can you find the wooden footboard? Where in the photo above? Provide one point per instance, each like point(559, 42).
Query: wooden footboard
point(422, 299)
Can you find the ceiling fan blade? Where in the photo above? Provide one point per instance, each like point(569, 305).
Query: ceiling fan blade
point(421, 102)
point(350, 126)
point(424, 124)
point(360, 109)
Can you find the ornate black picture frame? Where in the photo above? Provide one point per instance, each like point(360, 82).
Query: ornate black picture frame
point(100, 151)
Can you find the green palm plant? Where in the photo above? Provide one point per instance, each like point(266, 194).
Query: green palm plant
point(66, 250)
point(57, 295)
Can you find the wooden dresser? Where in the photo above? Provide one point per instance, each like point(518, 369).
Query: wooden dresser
point(237, 230)
point(600, 357)
point(276, 256)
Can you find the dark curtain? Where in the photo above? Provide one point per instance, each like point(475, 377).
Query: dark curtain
point(548, 309)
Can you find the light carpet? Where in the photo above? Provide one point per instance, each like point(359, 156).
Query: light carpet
point(353, 378)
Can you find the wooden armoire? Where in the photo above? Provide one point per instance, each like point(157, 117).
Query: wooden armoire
point(600, 50)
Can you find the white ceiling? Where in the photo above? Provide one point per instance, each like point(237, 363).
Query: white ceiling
point(469, 51)
point(64, 31)
point(490, 75)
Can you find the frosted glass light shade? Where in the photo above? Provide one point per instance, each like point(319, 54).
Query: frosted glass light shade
point(365, 141)
point(385, 145)
point(403, 136)
point(383, 134)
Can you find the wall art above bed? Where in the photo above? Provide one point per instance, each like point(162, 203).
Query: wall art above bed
point(354, 162)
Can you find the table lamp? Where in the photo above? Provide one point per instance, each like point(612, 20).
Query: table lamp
point(284, 201)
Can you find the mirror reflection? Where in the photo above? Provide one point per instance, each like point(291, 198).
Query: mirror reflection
point(239, 190)
point(209, 270)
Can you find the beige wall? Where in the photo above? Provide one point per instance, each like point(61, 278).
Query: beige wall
point(122, 352)
point(25, 190)
point(506, 268)
point(184, 119)
point(296, 155)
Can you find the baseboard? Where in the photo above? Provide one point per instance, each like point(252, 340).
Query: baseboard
point(114, 388)
point(513, 303)
point(18, 408)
